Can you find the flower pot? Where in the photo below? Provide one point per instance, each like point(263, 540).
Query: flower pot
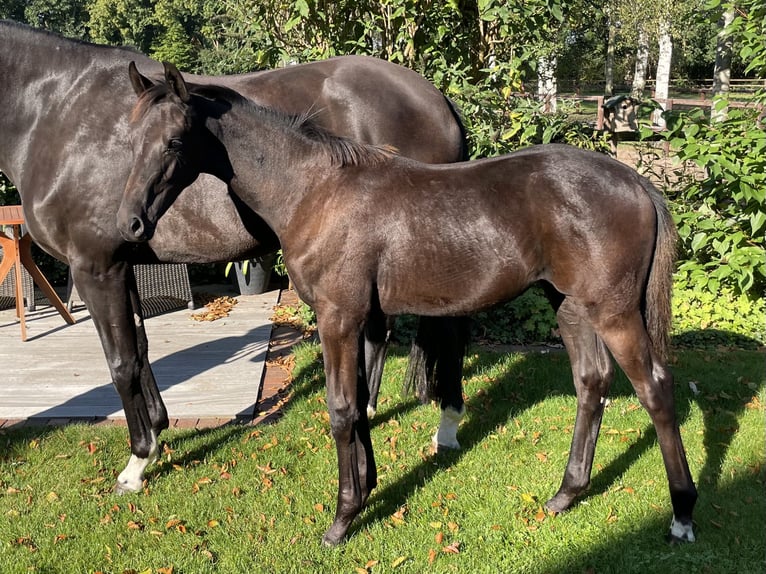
point(253, 278)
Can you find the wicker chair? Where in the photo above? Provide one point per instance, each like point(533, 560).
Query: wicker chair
point(8, 289)
point(162, 287)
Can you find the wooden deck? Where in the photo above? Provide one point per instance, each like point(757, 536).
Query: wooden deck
point(207, 371)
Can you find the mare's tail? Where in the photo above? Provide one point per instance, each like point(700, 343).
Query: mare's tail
point(435, 368)
point(657, 308)
point(458, 116)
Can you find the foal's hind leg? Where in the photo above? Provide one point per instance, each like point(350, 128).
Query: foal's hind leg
point(593, 374)
point(628, 341)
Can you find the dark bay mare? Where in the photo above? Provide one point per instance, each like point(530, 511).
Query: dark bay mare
point(367, 234)
point(64, 144)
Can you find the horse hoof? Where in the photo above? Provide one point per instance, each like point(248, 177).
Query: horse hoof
point(125, 488)
point(332, 539)
point(559, 504)
point(681, 533)
point(438, 447)
point(370, 412)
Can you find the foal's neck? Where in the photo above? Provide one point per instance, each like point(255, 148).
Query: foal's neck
point(274, 165)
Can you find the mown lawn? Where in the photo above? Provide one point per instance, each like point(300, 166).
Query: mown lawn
point(257, 499)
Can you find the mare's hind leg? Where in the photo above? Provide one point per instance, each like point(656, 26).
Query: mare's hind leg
point(593, 374)
point(453, 335)
point(629, 343)
point(435, 372)
point(377, 333)
point(119, 324)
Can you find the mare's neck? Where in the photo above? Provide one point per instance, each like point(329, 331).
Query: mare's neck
point(274, 167)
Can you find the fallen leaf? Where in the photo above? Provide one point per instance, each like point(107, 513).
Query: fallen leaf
point(453, 548)
point(215, 309)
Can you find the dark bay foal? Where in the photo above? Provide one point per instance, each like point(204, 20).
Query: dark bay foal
point(367, 235)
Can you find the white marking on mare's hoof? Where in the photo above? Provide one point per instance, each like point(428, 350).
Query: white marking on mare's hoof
point(446, 434)
point(131, 479)
point(680, 532)
point(370, 412)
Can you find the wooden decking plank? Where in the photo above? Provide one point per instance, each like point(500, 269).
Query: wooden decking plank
point(209, 370)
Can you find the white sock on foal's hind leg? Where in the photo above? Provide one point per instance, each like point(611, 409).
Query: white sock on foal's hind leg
point(446, 434)
point(131, 479)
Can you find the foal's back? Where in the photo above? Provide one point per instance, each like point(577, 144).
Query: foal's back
point(492, 227)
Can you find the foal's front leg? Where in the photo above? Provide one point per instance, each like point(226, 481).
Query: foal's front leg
point(347, 402)
point(113, 304)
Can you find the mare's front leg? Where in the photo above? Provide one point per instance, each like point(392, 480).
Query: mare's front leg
point(346, 401)
point(112, 301)
point(593, 374)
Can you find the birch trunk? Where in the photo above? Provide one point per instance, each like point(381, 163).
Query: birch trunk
point(663, 72)
point(642, 63)
point(722, 70)
point(546, 82)
point(609, 67)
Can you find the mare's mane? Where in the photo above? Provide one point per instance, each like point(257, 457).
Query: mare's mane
point(342, 151)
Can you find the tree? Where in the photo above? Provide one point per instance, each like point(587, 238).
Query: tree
point(662, 81)
point(123, 23)
point(67, 17)
point(642, 63)
point(722, 69)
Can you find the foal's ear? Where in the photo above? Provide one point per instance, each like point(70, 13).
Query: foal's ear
point(176, 82)
point(140, 83)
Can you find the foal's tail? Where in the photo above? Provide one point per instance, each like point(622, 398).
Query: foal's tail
point(659, 287)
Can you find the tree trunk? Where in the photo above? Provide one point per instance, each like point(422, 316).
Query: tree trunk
point(642, 63)
point(609, 67)
point(546, 82)
point(663, 72)
point(722, 70)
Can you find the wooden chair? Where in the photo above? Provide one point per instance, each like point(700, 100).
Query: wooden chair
point(17, 252)
point(162, 287)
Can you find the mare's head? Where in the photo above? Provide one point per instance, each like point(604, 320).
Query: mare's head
point(171, 147)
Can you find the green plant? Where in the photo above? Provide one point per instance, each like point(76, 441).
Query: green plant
point(720, 208)
point(702, 319)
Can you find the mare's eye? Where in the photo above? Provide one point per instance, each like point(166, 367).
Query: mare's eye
point(175, 145)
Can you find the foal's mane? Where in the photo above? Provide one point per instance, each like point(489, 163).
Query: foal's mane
point(342, 151)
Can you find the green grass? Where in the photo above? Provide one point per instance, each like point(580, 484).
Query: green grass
point(257, 499)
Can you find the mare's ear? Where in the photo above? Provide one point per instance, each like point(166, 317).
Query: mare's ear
point(176, 82)
point(140, 83)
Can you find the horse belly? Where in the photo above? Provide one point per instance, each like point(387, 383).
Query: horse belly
point(449, 287)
